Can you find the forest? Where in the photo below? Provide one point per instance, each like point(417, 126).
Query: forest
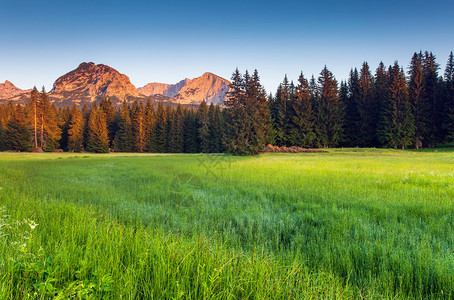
point(390, 107)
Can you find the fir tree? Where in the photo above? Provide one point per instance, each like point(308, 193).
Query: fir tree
point(150, 123)
point(76, 130)
point(176, 136)
point(159, 135)
point(64, 117)
point(216, 129)
point(352, 116)
point(190, 132)
point(98, 140)
point(302, 133)
point(381, 98)
point(138, 121)
point(109, 110)
point(203, 127)
point(449, 104)
point(280, 112)
point(123, 138)
point(330, 110)
point(367, 108)
point(430, 77)
point(50, 132)
point(399, 128)
point(421, 108)
point(17, 134)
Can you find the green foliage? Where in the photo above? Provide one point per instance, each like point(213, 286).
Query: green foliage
point(203, 126)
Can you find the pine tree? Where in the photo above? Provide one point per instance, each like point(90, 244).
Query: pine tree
point(34, 106)
point(216, 129)
point(330, 110)
point(430, 77)
point(159, 135)
point(421, 108)
point(49, 131)
point(190, 132)
point(76, 130)
point(352, 117)
point(98, 140)
point(302, 133)
point(64, 117)
point(150, 123)
point(236, 135)
point(17, 134)
point(176, 136)
point(123, 141)
point(138, 121)
point(449, 103)
point(399, 120)
point(381, 98)
point(367, 108)
point(280, 112)
point(203, 122)
point(109, 110)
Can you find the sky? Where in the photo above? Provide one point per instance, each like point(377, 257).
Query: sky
point(168, 41)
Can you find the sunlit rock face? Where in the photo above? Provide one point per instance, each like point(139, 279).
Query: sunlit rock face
point(9, 91)
point(209, 87)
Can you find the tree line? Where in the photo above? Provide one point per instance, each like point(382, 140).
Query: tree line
point(388, 108)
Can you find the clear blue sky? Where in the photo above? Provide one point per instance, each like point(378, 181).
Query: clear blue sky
point(169, 40)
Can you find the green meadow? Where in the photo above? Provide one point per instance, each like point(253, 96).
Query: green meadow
point(348, 224)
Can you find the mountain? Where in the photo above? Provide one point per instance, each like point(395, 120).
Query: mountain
point(9, 91)
point(209, 86)
point(168, 90)
point(90, 82)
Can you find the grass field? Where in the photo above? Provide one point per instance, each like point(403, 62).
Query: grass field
point(345, 224)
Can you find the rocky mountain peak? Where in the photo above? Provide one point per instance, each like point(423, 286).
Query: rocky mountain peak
point(89, 82)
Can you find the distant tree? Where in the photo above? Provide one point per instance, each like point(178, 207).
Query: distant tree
point(190, 132)
point(34, 109)
point(150, 122)
point(449, 103)
point(302, 132)
point(430, 77)
point(123, 138)
point(352, 122)
point(109, 110)
point(421, 107)
point(367, 108)
point(330, 110)
point(176, 137)
point(76, 130)
point(139, 124)
point(50, 132)
point(381, 97)
point(98, 140)
point(64, 120)
point(203, 122)
point(216, 129)
point(399, 120)
point(17, 134)
point(280, 112)
point(159, 135)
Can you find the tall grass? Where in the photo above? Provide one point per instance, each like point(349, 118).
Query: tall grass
point(347, 224)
